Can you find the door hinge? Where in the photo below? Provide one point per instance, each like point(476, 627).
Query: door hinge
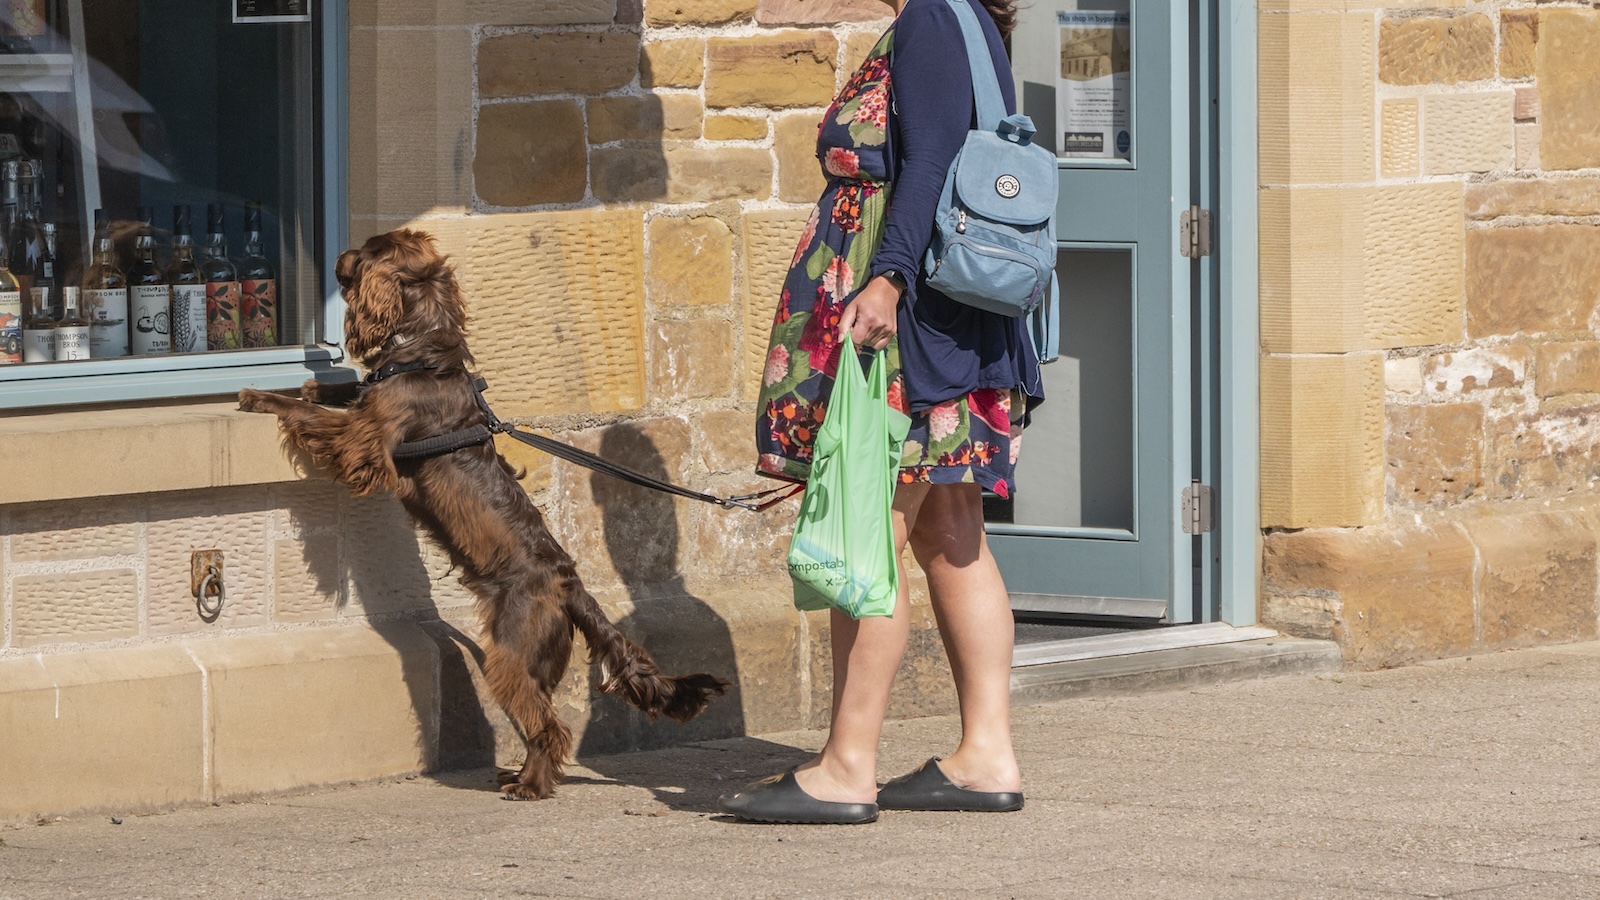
point(1197, 517)
point(1194, 233)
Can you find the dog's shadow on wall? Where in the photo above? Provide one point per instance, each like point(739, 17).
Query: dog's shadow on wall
point(683, 633)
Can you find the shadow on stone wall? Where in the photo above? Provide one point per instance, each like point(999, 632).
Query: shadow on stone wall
point(681, 631)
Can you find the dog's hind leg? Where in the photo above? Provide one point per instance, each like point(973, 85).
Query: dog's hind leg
point(523, 669)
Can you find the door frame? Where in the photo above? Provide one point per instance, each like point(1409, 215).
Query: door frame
point(1237, 536)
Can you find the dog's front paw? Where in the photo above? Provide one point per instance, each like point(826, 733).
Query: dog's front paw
point(311, 392)
point(252, 400)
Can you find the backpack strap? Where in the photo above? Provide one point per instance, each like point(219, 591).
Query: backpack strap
point(991, 105)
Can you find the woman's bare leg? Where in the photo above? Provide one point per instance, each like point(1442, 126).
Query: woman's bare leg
point(866, 656)
point(974, 614)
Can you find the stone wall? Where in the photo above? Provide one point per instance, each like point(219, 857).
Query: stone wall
point(1430, 220)
point(620, 185)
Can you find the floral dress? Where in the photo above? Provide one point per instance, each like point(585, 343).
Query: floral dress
point(970, 438)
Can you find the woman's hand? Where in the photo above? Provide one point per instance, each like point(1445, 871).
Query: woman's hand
point(870, 319)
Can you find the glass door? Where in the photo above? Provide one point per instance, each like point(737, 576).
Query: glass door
point(1094, 525)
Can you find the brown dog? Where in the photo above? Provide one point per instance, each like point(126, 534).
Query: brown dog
point(404, 308)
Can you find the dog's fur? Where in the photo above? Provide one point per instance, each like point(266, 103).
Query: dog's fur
point(404, 305)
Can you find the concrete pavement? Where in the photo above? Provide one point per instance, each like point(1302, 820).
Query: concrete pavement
point(1472, 778)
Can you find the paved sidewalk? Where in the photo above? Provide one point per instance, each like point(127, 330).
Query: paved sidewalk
point(1466, 778)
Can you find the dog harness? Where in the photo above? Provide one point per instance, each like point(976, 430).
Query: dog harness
point(476, 435)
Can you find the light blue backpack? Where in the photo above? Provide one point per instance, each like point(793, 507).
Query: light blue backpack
point(994, 242)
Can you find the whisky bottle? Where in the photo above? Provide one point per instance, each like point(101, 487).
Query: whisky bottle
point(39, 329)
point(223, 326)
point(188, 287)
point(148, 299)
point(34, 264)
point(10, 314)
point(258, 286)
point(106, 296)
point(72, 332)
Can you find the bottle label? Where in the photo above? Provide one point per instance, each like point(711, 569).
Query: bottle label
point(152, 329)
point(223, 329)
point(72, 342)
point(188, 318)
point(10, 326)
point(107, 309)
point(259, 311)
point(40, 295)
point(38, 344)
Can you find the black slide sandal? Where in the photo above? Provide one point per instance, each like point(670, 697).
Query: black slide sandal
point(779, 799)
point(927, 789)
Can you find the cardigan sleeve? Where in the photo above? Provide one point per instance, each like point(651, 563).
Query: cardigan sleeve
point(930, 82)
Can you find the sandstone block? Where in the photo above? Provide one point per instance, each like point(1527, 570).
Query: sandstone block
point(1568, 368)
point(537, 466)
point(736, 128)
point(691, 261)
point(1534, 197)
point(480, 12)
point(691, 360)
point(650, 118)
point(747, 546)
point(1525, 108)
point(1436, 50)
point(1476, 369)
point(672, 63)
point(580, 62)
point(1322, 451)
point(1316, 98)
point(770, 239)
point(558, 309)
point(409, 120)
point(1435, 453)
point(821, 12)
point(1569, 88)
point(1467, 133)
point(1527, 149)
point(140, 709)
point(698, 12)
point(530, 153)
point(1298, 5)
point(681, 173)
point(236, 522)
point(1537, 582)
point(781, 70)
point(1400, 128)
point(1519, 36)
point(76, 607)
point(632, 536)
point(308, 580)
point(629, 12)
point(76, 529)
point(1403, 375)
point(1360, 268)
point(1401, 594)
point(383, 555)
point(726, 441)
point(856, 48)
point(800, 178)
point(1543, 454)
point(308, 508)
point(380, 722)
point(1542, 278)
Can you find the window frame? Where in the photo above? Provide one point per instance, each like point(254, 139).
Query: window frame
point(217, 373)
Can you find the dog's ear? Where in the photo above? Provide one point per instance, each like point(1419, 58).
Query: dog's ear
point(376, 304)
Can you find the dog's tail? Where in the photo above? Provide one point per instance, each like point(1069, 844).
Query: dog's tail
point(627, 668)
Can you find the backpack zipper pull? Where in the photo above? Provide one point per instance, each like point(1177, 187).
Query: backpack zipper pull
point(961, 221)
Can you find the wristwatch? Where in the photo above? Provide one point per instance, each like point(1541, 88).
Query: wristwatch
point(895, 276)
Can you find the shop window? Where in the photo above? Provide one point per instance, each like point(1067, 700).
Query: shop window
point(162, 211)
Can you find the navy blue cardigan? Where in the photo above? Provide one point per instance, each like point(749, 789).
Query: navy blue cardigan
point(947, 349)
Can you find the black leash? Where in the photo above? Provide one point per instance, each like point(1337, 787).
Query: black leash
point(473, 436)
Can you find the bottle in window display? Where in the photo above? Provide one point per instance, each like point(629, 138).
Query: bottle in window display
point(223, 326)
point(34, 265)
point(106, 295)
point(10, 314)
point(258, 285)
point(148, 298)
point(72, 339)
point(39, 332)
point(188, 287)
point(25, 25)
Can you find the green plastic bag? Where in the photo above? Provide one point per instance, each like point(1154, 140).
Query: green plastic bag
point(842, 554)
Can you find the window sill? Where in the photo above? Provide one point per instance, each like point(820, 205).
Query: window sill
point(81, 453)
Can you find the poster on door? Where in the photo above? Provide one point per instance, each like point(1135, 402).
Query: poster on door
point(1094, 98)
